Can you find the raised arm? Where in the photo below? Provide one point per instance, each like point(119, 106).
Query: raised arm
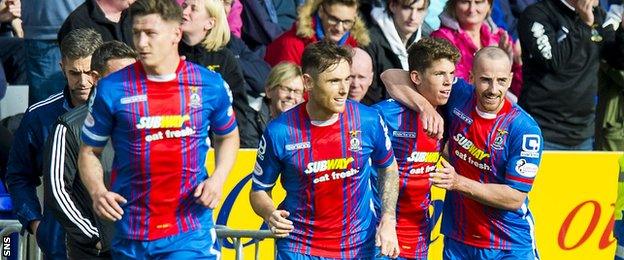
point(400, 88)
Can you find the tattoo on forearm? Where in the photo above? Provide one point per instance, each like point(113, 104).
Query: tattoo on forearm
point(389, 190)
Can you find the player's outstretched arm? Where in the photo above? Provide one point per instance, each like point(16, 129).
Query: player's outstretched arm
point(262, 204)
point(399, 86)
point(386, 236)
point(499, 196)
point(208, 193)
point(105, 203)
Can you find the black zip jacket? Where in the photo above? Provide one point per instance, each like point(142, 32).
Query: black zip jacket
point(90, 15)
point(64, 193)
point(560, 66)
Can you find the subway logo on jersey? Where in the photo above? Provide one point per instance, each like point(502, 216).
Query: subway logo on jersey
point(465, 143)
point(426, 157)
point(328, 165)
point(166, 121)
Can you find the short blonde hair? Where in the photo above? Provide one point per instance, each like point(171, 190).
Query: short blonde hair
point(280, 73)
point(219, 35)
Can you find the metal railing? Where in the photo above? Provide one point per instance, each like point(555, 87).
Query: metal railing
point(8, 227)
point(27, 248)
point(256, 236)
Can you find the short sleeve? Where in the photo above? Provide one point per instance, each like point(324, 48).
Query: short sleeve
point(268, 166)
point(222, 119)
point(382, 155)
point(525, 154)
point(98, 124)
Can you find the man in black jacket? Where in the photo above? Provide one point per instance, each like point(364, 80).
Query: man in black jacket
point(110, 18)
point(88, 237)
point(562, 44)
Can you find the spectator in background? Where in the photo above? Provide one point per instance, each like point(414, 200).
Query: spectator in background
point(332, 20)
point(465, 24)
point(12, 51)
point(6, 207)
point(396, 27)
point(255, 69)
point(41, 22)
point(234, 9)
point(88, 237)
point(433, 15)
point(253, 117)
point(110, 18)
point(10, 10)
point(610, 108)
point(25, 160)
point(281, 12)
point(205, 35)
point(259, 29)
point(505, 13)
point(361, 76)
point(563, 42)
point(285, 13)
point(10, 17)
point(284, 88)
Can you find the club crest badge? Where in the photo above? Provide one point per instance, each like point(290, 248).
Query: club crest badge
point(354, 141)
point(194, 99)
point(499, 139)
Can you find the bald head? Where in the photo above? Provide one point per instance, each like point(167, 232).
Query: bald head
point(489, 54)
point(491, 76)
point(361, 59)
point(361, 74)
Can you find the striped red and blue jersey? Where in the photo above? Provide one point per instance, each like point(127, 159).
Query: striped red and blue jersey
point(416, 154)
point(505, 149)
point(325, 171)
point(159, 132)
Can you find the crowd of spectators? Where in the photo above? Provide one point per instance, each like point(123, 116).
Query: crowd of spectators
point(560, 59)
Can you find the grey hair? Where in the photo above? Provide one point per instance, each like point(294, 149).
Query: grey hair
point(80, 43)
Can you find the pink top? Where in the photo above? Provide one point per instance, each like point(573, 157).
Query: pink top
point(234, 18)
point(462, 41)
